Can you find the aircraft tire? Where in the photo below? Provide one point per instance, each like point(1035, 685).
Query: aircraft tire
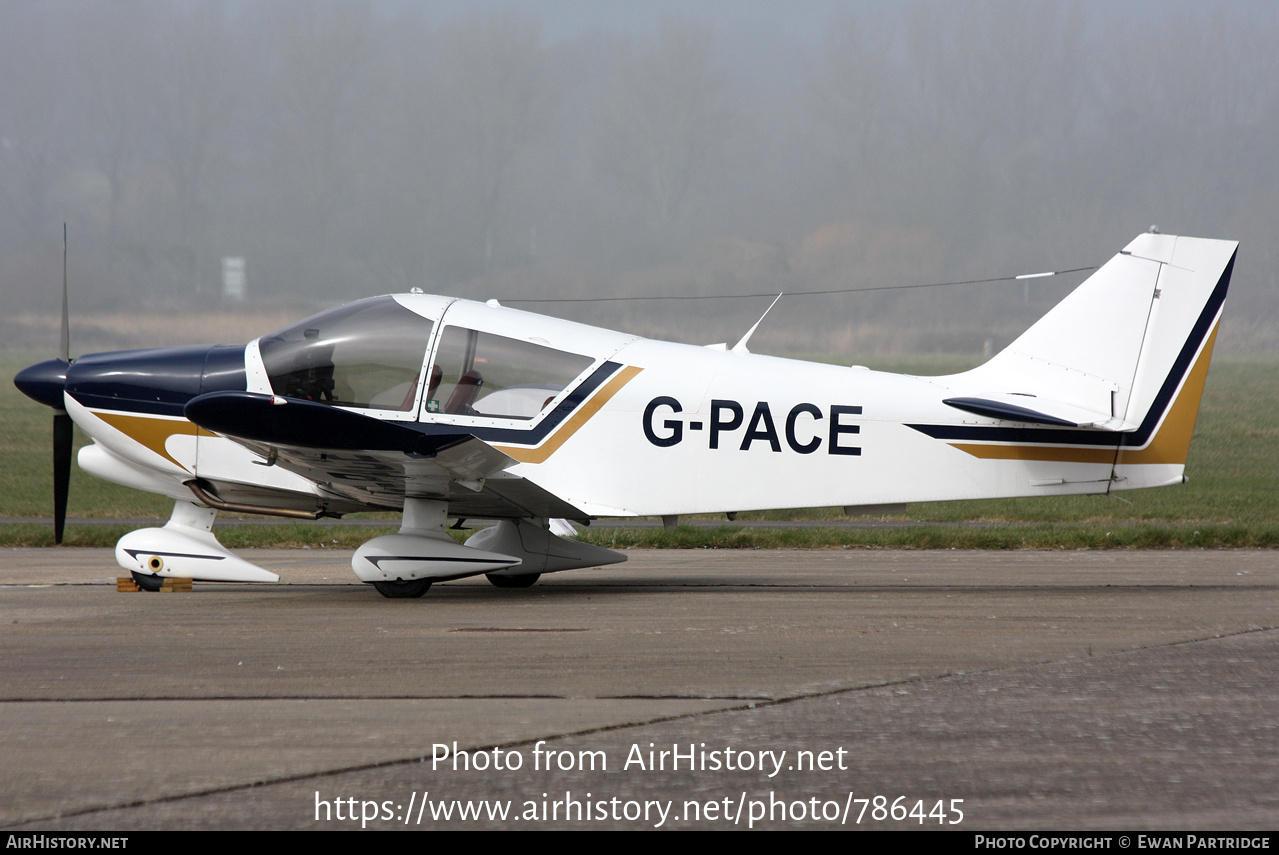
point(147, 581)
point(526, 580)
point(401, 590)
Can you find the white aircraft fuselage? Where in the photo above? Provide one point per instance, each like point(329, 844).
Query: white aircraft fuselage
point(451, 408)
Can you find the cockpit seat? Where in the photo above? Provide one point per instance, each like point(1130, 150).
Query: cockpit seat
point(464, 394)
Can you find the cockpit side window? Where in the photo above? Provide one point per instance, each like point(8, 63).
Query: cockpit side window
point(367, 354)
point(487, 375)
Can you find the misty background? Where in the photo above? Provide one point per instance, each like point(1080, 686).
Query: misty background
point(584, 148)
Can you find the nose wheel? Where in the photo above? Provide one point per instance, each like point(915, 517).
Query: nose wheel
point(401, 590)
point(147, 581)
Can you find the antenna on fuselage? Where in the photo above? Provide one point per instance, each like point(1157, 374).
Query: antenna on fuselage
point(740, 347)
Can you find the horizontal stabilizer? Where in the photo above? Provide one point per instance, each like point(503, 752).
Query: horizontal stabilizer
point(1035, 410)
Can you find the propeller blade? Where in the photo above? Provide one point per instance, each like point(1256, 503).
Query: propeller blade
point(63, 427)
point(66, 315)
point(62, 435)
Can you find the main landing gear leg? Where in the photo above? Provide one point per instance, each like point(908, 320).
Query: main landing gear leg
point(404, 565)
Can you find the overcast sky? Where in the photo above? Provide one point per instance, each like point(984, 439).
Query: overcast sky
point(580, 148)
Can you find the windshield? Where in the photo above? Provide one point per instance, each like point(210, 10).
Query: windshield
point(366, 354)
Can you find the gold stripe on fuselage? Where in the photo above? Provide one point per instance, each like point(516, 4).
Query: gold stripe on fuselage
point(1057, 454)
point(152, 432)
point(578, 419)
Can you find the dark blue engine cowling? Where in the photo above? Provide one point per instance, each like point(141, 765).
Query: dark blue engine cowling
point(157, 380)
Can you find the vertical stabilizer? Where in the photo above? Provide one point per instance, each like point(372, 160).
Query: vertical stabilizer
point(1123, 344)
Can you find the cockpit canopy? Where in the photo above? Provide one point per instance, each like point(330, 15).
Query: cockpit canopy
point(370, 354)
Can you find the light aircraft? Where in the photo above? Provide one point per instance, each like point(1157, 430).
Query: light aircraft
point(450, 408)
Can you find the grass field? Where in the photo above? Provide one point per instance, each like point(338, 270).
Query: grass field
point(1230, 500)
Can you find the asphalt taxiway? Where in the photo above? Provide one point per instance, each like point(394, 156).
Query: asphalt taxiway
point(1071, 689)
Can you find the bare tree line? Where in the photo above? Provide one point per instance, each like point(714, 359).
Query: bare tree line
point(353, 148)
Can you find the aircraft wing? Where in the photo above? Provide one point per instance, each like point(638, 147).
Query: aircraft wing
point(362, 459)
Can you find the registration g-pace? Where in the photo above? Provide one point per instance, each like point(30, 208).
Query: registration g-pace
point(444, 408)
